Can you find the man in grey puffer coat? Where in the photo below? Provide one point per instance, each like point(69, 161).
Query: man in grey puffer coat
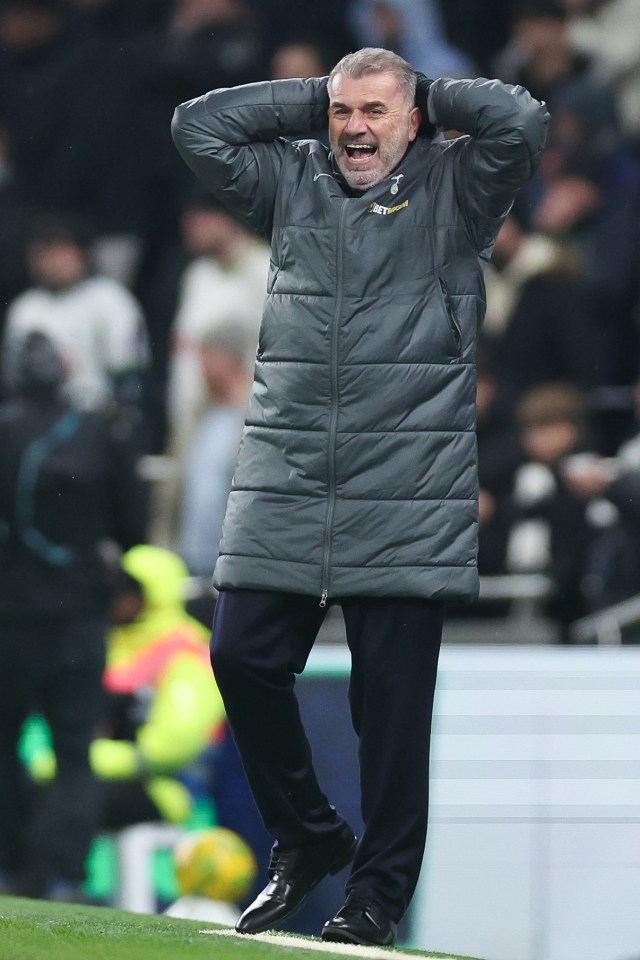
point(356, 477)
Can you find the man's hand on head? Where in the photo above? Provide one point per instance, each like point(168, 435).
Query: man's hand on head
point(423, 85)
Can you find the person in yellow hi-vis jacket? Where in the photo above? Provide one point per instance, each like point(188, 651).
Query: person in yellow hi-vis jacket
point(163, 705)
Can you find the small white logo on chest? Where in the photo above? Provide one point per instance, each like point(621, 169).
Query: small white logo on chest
point(395, 186)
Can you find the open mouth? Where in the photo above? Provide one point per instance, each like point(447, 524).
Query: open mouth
point(360, 152)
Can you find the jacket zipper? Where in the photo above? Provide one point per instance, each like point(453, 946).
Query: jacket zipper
point(333, 419)
point(454, 326)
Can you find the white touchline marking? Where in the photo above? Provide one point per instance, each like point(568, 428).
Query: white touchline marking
point(299, 943)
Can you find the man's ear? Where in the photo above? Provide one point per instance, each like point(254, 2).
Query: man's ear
point(415, 120)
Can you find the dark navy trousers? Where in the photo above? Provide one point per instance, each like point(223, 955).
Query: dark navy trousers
point(261, 640)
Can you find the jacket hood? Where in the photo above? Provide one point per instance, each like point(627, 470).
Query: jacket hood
point(161, 573)
point(164, 623)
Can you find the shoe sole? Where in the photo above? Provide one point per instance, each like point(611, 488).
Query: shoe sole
point(338, 864)
point(330, 935)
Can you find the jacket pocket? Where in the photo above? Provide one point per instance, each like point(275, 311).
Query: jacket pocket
point(454, 326)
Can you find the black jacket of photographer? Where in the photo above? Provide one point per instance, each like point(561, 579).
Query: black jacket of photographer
point(69, 492)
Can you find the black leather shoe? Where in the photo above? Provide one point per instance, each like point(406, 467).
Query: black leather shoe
point(361, 921)
point(292, 876)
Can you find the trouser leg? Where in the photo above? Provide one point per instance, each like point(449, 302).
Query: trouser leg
point(394, 644)
point(261, 639)
point(68, 816)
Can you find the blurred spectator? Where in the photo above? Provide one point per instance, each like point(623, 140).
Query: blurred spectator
point(540, 316)
point(226, 277)
point(212, 455)
point(539, 54)
point(588, 187)
point(200, 45)
point(547, 531)
point(479, 29)
point(69, 492)
point(588, 191)
point(299, 58)
point(610, 487)
point(163, 708)
point(204, 44)
point(94, 321)
point(64, 102)
point(604, 30)
point(325, 22)
point(414, 30)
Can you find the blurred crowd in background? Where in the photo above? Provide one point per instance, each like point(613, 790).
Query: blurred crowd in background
point(130, 307)
point(152, 294)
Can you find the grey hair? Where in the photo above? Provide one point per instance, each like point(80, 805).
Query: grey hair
point(377, 60)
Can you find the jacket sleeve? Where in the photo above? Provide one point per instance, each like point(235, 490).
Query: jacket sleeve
point(186, 711)
point(233, 140)
point(507, 130)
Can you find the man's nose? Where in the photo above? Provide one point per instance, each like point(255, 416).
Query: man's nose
point(357, 123)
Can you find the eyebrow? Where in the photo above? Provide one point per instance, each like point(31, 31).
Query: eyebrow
point(366, 106)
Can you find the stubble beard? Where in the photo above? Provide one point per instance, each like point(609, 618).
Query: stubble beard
point(387, 158)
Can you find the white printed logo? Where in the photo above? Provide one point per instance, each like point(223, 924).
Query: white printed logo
point(396, 183)
point(321, 175)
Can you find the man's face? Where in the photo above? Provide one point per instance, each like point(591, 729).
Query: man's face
point(209, 233)
point(370, 126)
point(57, 264)
point(550, 442)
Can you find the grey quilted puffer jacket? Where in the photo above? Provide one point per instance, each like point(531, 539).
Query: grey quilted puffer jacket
point(356, 474)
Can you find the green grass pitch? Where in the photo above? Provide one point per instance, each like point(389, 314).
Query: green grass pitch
point(39, 930)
